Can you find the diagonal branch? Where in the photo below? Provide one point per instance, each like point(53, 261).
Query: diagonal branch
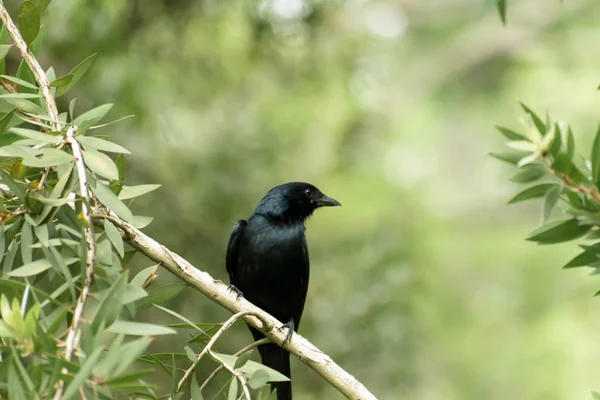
point(218, 292)
point(42, 80)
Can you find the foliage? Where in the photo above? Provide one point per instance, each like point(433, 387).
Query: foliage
point(545, 159)
point(48, 264)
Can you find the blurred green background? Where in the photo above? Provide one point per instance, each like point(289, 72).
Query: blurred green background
point(421, 286)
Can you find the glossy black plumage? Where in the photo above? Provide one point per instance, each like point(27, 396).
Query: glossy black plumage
point(268, 262)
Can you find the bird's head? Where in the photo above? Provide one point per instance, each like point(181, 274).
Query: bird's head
point(294, 201)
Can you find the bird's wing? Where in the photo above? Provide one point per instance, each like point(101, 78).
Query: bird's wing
point(233, 246)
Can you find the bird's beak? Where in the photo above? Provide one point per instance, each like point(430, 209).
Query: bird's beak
point(326, 201)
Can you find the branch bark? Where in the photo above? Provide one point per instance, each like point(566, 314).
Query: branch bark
point(218, 292)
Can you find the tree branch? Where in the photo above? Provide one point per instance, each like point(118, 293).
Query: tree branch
point(218, 292)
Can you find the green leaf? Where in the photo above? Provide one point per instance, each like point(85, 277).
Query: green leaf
point(83, 374)
point(552, 197)
point(20, 96)
point(556, 143)
point(510, 134)
point(4, 121)
point(29, 21)
point(111, 304)
point(258, 379)
point(511, 156)
point(94, 115)
point(77, 73)
point(558, 231)
point(139, 329)
point(20, 82)
point(250, 367)
point(30, 269)
point(24, 105)
point(5, 330)
point(233, 389)
point(533, 192)
point(72, 108)
point(242, 359)
point(62, 81)
point(35, 135)
point(115, 237)
point(133, 293)
point(50, 157)
point(160, 295)
point(143, 275)
point(100, 144)
point(41, 4)
point(589, 256)
point(539, 124)
point(528, 173)
point(4, 48)
point(140, 222)
point(117, 185)
point(190, 354)
point(14, 187)
point(195, 389)
point(570, 144)
point(129, 192)
point(101, 164)
point(501, 4)
point(595, 395)
point(26, 242)
point(110, 200)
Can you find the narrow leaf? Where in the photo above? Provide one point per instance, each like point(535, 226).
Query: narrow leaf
point(31, 269)
point(129, 192)
point(110, 200)
point(29, 21)
point(139, 329)
point(77, 73)
point(100, 144)
point(533, 192)
point(558, 231)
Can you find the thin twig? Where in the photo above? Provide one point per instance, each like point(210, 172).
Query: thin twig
point(207, 350)
point(239, 353)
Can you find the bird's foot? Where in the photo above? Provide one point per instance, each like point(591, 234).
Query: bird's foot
point(235, 290)
point(290, 327)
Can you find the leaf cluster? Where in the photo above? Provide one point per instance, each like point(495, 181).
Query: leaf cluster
point(544, 159)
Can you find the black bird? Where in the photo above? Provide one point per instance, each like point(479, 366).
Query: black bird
point(267, 261)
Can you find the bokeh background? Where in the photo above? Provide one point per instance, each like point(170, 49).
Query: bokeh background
point(421, 285)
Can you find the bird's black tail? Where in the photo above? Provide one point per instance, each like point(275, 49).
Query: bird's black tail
point(278, 359)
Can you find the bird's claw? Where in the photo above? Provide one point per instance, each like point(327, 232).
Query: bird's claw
point(235, 290)
point(290, 327)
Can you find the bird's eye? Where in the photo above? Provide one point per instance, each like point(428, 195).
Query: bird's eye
point(308, 192)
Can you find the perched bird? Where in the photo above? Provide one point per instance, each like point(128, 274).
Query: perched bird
point(267, 261)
